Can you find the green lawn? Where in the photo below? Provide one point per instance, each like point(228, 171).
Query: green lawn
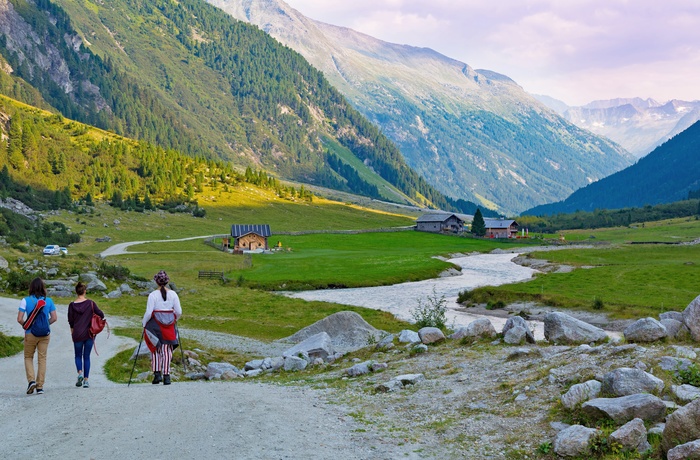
point(669, 231)
point(366, 259)
point(246, 205)
point(319, 259)
point(631, 280)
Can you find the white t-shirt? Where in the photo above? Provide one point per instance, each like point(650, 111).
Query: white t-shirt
point(156, 302)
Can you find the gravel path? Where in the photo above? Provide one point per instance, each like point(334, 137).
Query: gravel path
point(121, 248)
point(185, 420)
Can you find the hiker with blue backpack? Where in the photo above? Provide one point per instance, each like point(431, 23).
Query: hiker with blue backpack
point(40, 313)
point(80, 313)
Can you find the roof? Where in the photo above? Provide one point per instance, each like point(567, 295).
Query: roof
point(499, 223)
point(240, 230)
point(437, 217)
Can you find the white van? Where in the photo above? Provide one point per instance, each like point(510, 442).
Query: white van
point(52, 250)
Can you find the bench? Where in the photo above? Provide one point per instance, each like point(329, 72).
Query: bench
point(210, 274)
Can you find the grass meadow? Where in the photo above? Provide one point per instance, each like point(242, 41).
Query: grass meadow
point(631, 280)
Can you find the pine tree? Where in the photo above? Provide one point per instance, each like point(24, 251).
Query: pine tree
point(478, 224)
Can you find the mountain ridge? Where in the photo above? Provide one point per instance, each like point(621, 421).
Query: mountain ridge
point(667, 174)
point(474, 134)
point(253, 102)
point(638, 124)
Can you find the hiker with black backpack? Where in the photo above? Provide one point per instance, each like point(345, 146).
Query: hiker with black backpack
point(80, 313)
point(40, 313)
point(160, 327)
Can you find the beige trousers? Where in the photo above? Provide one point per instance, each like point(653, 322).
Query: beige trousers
point(35, 344)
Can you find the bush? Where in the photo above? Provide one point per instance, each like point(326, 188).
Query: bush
point(116, 272)
point(18, 281)
point(431, 312)
point(598, 304)
point(689, 376)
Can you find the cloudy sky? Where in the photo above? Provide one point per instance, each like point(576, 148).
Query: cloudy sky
point(574, 50)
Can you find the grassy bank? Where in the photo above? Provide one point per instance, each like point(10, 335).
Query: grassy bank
point(629, 281)
point(10, 345)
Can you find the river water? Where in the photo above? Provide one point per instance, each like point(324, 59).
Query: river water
point(402, 299)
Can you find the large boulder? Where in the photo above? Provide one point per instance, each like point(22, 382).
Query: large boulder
point(518, 321)
point(691, 318)
point(516, 335)
point(217, 370)
point(408, 336)
point(676, 315)
point(631, 436)
point(671, 363)
point(685, 392)
point(574, 441)
point(645, 330)
point(316, 346)
point(294, 363)
point(675, 329)
point(430, 335)
point(687, 451)
point(682, 426)
point(625, 408)
point(628, 381)
point(480, 328)
point(562, 328)
point(96, 286)
point(348, 331)
point(580, 393)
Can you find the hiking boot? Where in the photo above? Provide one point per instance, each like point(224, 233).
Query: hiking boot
point(157, 377)
point(86, 384)
point(40, 391)
point(166, 379)
point(79, 383)
point(31, 387)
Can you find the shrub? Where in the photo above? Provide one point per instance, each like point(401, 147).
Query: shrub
point(431, 312)
point(116, 272)
point(18, 281)
point(598, 304)
point(690, 376)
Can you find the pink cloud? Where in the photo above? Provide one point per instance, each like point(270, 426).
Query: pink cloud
point(545, 43)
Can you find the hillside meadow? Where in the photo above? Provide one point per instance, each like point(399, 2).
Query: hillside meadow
point(627, 280)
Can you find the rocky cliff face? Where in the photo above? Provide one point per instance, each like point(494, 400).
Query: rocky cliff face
point(42, 58)
point(639, 125)
point(474, 134)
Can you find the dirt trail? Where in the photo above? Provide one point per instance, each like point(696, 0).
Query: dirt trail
point(236, 419)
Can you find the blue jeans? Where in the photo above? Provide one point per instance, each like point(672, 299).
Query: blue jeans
point(82, 356)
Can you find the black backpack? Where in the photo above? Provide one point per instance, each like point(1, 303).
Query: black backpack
point(38, 322)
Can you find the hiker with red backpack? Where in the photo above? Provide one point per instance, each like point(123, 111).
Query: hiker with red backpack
point(162, 312)
point(80, 313)
point(40, 313)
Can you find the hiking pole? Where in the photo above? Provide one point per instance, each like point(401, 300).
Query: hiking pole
point(138, 351)
point(182, 353)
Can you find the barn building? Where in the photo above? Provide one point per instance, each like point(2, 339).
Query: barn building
point(250, 237)
point(440, 223)
point(501, 228)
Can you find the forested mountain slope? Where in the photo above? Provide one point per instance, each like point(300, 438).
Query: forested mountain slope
point(83, 163)
point(667, 174)
point(472, 133)
point(186, 76)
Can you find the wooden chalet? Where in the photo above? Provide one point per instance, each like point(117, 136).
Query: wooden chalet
point(250, 237)
point(501, 228)
point(440, 223)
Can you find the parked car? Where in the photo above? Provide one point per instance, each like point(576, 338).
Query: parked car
point(52, 250)
point(64, 250)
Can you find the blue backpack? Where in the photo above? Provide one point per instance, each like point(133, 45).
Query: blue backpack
point(38, 321)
